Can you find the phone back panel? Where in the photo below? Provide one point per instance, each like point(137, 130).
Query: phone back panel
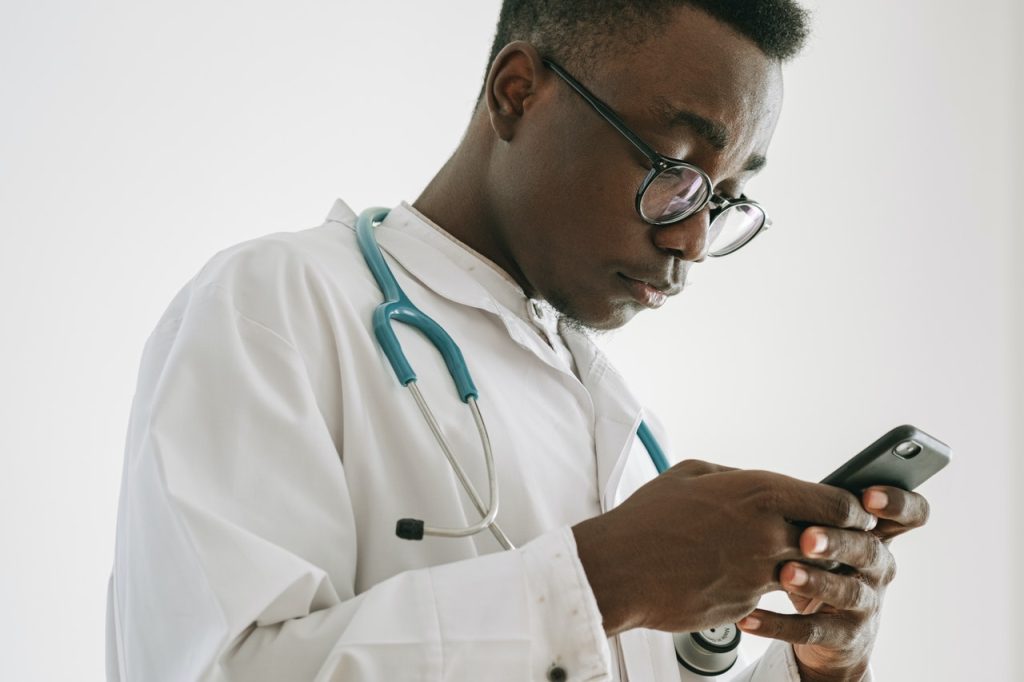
point(878, 464)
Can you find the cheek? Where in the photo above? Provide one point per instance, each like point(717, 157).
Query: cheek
point(566, 197)
point(582, 236)
point(602, 176)
point(590, 205)
point(577, 168)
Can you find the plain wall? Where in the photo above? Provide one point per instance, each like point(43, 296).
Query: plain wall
point(1016, 315)
point(136, 140)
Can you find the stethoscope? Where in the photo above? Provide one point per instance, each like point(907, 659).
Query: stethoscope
point(397, 306)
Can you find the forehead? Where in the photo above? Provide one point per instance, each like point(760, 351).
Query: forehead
point(700, 76)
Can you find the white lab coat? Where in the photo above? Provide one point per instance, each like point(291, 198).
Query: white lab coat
point(271, 449)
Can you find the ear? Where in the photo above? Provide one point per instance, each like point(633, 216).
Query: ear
point(512, 86)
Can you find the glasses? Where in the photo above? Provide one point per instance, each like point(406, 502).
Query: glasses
point(674, 190)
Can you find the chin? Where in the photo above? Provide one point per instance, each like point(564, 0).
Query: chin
point(610, 316)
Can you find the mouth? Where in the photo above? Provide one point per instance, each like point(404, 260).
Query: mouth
point(647, 294)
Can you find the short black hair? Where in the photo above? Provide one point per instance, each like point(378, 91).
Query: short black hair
point(577, 32)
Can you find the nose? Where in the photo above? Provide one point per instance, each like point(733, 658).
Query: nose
point(687, 239)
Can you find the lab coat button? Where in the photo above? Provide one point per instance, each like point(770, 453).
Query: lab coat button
point(557, 674)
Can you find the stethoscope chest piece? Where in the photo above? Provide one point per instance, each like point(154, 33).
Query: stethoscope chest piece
point(708, 652)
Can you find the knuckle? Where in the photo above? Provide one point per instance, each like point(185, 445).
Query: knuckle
point(695, 467)
point(889, 573)
point(875, 552)
point(924, 511)
point(766, 497)
point(815, 632)
point(861, 599)
point(852, 595)
point(778, 629)
point(835, 591)
point(843, 509)
point(749, 605)
point(777, 541)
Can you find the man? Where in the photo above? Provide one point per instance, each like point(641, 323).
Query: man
point(271, 449)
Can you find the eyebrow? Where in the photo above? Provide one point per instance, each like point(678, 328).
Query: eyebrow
point(716, 134)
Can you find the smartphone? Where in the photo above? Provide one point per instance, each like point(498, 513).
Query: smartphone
point(904, 458)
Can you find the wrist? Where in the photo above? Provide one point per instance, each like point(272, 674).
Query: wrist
point(607, 575)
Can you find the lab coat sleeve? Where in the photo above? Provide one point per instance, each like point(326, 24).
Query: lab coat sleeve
point(236, 547)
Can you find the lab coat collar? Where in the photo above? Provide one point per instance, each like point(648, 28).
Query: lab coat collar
point(477, 282)
point(416, 243)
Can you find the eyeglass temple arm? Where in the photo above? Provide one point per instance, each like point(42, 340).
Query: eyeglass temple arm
point(606, 113)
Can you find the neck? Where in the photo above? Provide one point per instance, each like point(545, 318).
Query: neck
point(457, 199)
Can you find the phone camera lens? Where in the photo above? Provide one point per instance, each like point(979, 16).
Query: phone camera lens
point(907, 449)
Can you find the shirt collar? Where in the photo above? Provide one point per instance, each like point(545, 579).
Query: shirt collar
point(499, 284)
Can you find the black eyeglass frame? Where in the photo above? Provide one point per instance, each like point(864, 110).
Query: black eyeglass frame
point(661, 163)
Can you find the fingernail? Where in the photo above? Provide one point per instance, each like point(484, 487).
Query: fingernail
point(872, 522)
point(820, 543)
point(876, 499)
point(799, 577)
point(750, 623)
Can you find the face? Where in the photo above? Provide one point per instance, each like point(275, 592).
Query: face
point(562, 182)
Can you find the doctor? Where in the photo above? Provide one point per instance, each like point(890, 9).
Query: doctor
point(271, 449)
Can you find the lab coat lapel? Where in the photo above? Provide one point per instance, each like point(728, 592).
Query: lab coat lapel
point(422, 252)
point(435, 271)
point(414, 247)
point(617, 417)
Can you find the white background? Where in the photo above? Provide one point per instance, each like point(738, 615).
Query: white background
point(137, 139)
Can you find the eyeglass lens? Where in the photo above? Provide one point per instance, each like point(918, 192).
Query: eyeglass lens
point(673, 193)
point(733, 227)
point(676, 192)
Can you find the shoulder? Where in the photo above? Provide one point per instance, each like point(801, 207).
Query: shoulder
point(296, 283)
point(283, 260)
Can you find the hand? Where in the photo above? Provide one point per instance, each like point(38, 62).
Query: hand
point(698, 545)
point(839, 611)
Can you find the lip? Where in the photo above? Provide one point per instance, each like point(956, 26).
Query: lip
point(646, 293)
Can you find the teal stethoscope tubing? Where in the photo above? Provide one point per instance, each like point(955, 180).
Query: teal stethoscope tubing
point(397, 306)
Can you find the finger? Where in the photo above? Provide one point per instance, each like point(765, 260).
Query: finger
point(815, 503)
point(886, 530)
point(787, 544)
point(862, 551)
point(820, 629)
point(903, 507)
point(844, 592)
